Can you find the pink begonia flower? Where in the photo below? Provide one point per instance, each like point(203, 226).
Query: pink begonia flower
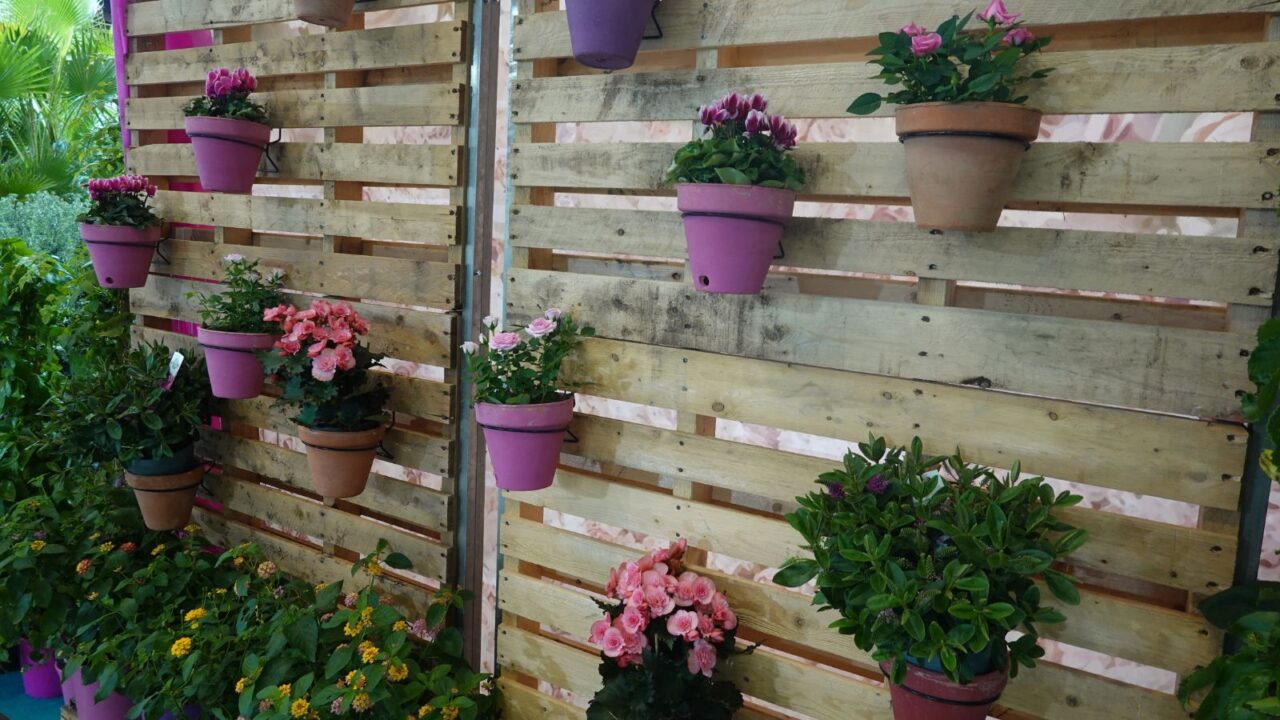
point(541, 327)
point(325, 366)
point(659, 601)
point(911, 29)
point(346, 358)
point(683, 623)
point(598, 629)
point(504, 341)
point(340, 332)
point(636, 643)
point(552, 313)
point(275, 314)
point(708, 630)
point(613, 642)
point(702, 658)
point(703, 590)
point(629, 578)
point(322, 308)
point(757, 122)
point(308, 314)
point(685, 591)
point(317, 348)
point(633, 620)
point(1019, 36)
point(470, 348)
point(926, 44)
point(342, 310)
point(998, 12)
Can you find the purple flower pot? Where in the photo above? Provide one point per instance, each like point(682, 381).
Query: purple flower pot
point(234, 369)
point(191, 712)
point(733, 233)
point(40, 678)
point(121, 254)
point(524, 441)
point(69, 685)
point(606, 34)
point(113, 707)
point(227, 152)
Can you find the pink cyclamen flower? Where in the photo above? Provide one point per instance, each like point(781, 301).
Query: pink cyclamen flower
point(911, 29)
point(783, 133)
point(504, 341)
point(1019, 36)
point(734, 105)
point(926, 44)
point(758, 102)
point(613, 642)
point(757, 122)
point(702, 658)
point(683, 623)
point(541, 327)
point(998, 12)
point(707, 115)
point(325, 366)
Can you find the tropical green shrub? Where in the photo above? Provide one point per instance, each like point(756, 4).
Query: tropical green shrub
point(47, 222)
point(1244, 685)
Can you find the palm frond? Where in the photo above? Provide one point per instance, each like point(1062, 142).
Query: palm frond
point(21, 74)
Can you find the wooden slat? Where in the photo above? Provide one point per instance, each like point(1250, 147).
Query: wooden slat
point(1173, 370)
point(426, 44)
point(1157, 174)
point(167, 16)
point(392, 105)
point(356, 162)
point(520, 702)
point(1234, 270)
point(698, 24)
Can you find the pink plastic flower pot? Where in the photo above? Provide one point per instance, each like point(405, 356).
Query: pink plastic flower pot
point(235, 372)
point(69, 688)
point(40, 678)
point(928, 695)
point(524, 441)
point(227, 151)
point(733, 233)
point(121, 254)
point(113, 707)
point(606, 34)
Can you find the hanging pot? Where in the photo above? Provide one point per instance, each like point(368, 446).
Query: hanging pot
point(928, 695)
point(166, 500)
point(227, 152)
point(524, 441)
point(963, 159)
point(121, 254)
point(733, 232)
point(340, 461)
point(235, 372)
point(329, 13)
point(606, 34)
point(182, 460)
point(113, 707)
point(189, 712)
point(40, 678)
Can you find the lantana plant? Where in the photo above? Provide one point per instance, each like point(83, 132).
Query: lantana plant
point(954, 63)
point(323, 368)
point(246, 296)
point(124, 200)
point(742, 145)
point(524, 368)
point(226, 94)
point(664, 630)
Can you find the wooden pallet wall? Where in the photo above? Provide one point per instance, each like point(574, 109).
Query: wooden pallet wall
point(367, 206)
point(966, 341)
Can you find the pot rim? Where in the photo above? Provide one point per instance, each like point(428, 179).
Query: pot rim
point(997, 120)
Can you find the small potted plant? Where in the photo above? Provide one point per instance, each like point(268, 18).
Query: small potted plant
point(520, 397)
point(229, 132)
point(963, 123)
point(930, 563)
point(736, 190)
point(607, 35)
point(232, 329)
point(323, 370)
point(664, 631)
point(121, 230)
point(329, 13)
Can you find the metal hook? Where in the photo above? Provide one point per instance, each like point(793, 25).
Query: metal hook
point(653, 13)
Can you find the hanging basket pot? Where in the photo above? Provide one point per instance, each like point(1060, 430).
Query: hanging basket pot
point(121, 254)
point(606, 34)
point(928, 695)
point(963, 159)
point(113, 707)
point(40, 676)
point(235, 372)
point(734, 232)
point(524, 441)
point(166, 500)
point(227, 152)
point(340, 461)
point(329, 13)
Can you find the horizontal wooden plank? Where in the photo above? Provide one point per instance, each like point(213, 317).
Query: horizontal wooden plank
point(166, 16)
point(1229, 270)
point(697, 24)
point(1156, 174)
point(1192, 372)
point(426, 44)
point(1215, 78)
point(392, 105)
point(394, 280)
point(521, 703)
point(354, 162)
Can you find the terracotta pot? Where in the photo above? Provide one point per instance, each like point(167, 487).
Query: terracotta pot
point(182, 460)
point(963, 159)
point(341, 461)
point(166, 500)
point(928, 695)
point(329, 13)
point(121, 254)
point(733, 233)
point(524, 441)
point(606, 34)
point(228, 151)
point(235, 372)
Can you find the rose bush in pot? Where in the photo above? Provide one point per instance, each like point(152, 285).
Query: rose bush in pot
point(121, 230)
point(228, 131)
point(963, 122)
point(931, 563)
point(736, 190)
point(232, 328)
point(521, 396)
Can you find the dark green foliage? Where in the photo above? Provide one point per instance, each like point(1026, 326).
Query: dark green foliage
point(530, 372)
point(662, 689)
point(735, 159)
point(246, 295)
point(1243, 685)
point(47, 222)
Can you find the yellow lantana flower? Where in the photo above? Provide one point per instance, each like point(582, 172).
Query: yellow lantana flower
point(157, 550)
point(194, 615)
point(400, 626)
point(106, 547)
point(397, 672)
point(369, 654)
point(425, 710)
point(180, 647)
point(361, 703)
point(37, 545)
point(449, 712)
point(241, 684)
point(284, 690)
point(299, 708)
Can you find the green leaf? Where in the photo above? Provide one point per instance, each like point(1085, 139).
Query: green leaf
point(732, 176)
point(865, 104)
point(398, 561)
point(796, 573)
point(1062, 587)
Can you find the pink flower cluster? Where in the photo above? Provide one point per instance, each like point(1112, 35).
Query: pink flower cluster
point(123, 185)
point(925, 43)
point(225, 82)
point(749, 110)
point(327, 330)
point(658, 596)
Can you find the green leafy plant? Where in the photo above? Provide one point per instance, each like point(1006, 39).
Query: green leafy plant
point(1259, 407)
point(955, 63)
point(123, 201)
point(742, 145)
point(511, 369)
point(226, 95)
point(247, 294)
point(933, 560)
point(35, 573)
point(1242, 685)
point(46, 222)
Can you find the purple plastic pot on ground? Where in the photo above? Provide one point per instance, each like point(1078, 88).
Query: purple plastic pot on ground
point(733, 233)
point(69, 685)
point(235, 372)
point(227, 152)
point(113, 707)
point(524, 441)
point(606, 34)
point(928, 695)
point(121, 254)
point(191, 712)
point(40, 677)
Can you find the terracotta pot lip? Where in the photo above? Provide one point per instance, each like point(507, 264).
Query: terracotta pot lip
point(320, 435)
point(165, 483)
point(996, 119)
point(977, 104)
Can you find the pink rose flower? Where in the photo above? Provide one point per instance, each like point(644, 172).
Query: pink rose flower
point(541, 327)
point(912, 29)
point(702, 658)
point(504, 341)
point(324, 367)
point(998, 12)
point(926, 44)
point(613, 642)
point(683, 623)
point(470, 348)
point(1019, 36)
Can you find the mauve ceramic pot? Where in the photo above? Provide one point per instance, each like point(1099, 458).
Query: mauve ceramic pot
point(524, 441)
point(227, 152)
point(121, 254)
point(733, 233)
point(606, 34)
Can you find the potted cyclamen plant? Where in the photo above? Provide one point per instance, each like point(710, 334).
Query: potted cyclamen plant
point(931, 563)
point(521, 403)
point(228, 131)
point(663, 633)
point(329, 13)
point(736, 190)
point(324, 370)
point(607, 35)
point(232, 328)
point(963, 124)
point(121, 230)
